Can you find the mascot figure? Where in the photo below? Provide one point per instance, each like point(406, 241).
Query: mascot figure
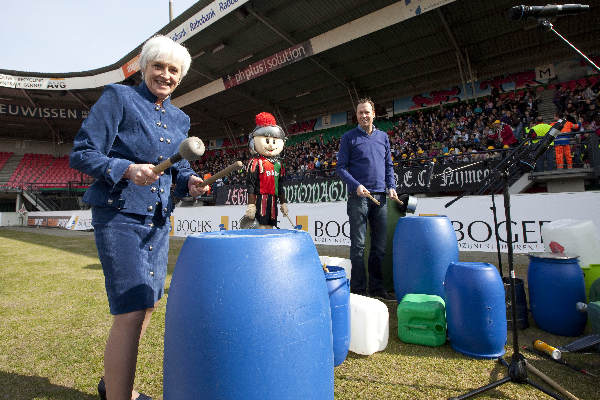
point(265, 173)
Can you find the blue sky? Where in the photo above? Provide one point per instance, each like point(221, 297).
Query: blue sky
point(78, 35)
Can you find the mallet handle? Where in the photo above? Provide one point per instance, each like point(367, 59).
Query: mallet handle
point(167, 163)
point(397, 200)
point(373, 199)
point(289, 219)
point(550, 382)
point(226, 171)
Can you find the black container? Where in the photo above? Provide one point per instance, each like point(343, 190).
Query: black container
point(521, 301)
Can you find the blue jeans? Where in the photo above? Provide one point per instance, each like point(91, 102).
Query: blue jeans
point(360, 210)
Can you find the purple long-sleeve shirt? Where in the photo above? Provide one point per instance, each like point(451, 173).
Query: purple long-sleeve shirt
point(366, 160)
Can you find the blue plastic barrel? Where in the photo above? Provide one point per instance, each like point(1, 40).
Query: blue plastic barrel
point(338, 287)
point(248, 317)
point(475, 309)
point(555, 286)
point(423, 248)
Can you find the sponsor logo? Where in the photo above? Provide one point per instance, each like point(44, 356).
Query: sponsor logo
point(56, 83)
point(187, 226)
point(225, 221)
point(302, 220)
point(277, 60)
point(331, 232)
point(131, 67)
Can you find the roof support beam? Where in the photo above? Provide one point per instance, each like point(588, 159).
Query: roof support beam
point(79, 100)
point(55, 135)
point(462, 59)
point(291, 42)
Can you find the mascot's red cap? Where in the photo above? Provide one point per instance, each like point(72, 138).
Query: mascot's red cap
point(267, 126)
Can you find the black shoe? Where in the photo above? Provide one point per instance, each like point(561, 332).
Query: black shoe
point(359, 292)
point(383, 295)
point(102, 389)
point(142, 396)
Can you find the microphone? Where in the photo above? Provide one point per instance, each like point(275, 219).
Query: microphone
point(544, 144)
point(549, 10)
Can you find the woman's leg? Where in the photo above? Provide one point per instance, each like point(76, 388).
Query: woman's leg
point(120, 355)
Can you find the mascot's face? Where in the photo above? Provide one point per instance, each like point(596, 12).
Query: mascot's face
point(268, 146)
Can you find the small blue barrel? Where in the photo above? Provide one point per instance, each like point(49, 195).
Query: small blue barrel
point(338, 287)
point(248, 316)
point(555, 286)
point(475, 309)
point(423, 248)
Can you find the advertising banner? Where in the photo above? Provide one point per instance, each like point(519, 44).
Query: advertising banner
point(471, 218)
point(327, 223)
point(204, 18)
point(452, 177)
point(42, 112)
point(271, 63)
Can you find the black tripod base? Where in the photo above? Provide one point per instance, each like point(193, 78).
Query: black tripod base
point(517, 373)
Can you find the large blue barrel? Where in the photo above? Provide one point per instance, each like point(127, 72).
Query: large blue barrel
point(475, 309)
point(338, 287)
point(248, 317)
point(423, 248)
point(555, 285)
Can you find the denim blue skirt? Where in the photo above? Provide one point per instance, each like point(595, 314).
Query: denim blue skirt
point(134, 251)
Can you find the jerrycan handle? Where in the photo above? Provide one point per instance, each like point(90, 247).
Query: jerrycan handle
point(420, 327)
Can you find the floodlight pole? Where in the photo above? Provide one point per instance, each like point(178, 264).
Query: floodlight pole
point(170, 10)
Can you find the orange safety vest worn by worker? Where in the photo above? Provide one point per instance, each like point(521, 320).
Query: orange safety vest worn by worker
point(562, 147)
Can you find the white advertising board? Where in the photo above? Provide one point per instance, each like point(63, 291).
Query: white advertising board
point(471, 218)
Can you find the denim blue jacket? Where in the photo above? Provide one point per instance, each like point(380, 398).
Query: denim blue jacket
point(124, 127)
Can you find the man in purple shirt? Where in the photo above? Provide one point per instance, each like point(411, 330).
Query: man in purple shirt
point(365, 165)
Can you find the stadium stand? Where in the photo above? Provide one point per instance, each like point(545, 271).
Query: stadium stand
point(44, 171)
point(4, 157)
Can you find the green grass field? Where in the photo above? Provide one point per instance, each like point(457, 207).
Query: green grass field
point(54, 322)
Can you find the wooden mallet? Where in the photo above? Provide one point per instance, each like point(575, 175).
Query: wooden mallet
point(373, 199)
point(191, 149)
point(289, 219)
point(225, 171)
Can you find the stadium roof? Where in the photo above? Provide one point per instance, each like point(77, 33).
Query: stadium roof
point(414, 47)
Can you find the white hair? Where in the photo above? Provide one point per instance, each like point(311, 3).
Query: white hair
point(162, 48)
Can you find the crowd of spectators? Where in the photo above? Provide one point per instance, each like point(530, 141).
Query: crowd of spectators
point(454, 132)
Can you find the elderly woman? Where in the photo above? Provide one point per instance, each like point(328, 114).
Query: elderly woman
point(128, 130)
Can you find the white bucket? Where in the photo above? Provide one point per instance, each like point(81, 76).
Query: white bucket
point(369, 325)
point(338, 262)
point(577, 237)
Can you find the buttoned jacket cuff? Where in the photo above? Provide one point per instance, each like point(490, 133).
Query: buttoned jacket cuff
point(116, 169)
point(181, 186)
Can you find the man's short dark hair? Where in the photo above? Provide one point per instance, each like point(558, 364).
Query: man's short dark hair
point(366, 100)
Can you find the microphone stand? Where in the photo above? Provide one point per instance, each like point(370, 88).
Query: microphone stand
point(520, 159)
point(547, 25)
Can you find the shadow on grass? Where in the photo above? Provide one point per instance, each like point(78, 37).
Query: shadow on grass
point(22, 387)
point(59, 239)
point(384, 383)
point(93, 266)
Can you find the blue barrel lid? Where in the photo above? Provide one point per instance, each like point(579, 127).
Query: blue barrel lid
point(335, 272)
point(554, 256)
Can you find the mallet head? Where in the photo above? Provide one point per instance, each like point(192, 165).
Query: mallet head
point(191, 148)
